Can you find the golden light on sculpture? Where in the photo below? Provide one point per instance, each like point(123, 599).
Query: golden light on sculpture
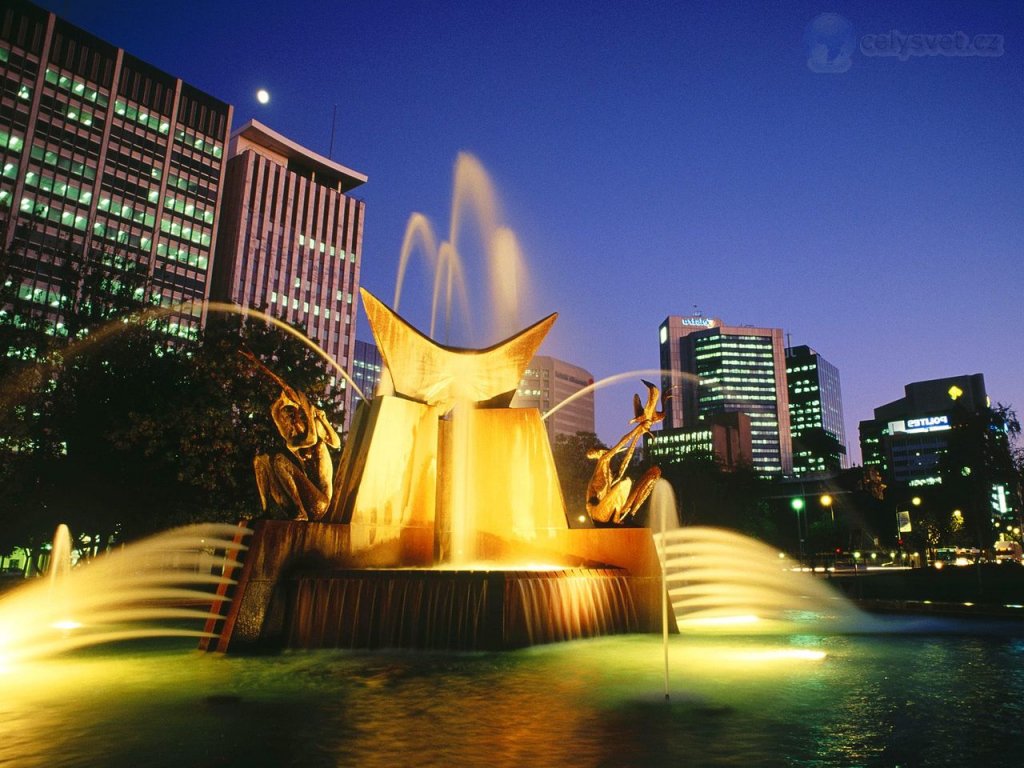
point(434, 374)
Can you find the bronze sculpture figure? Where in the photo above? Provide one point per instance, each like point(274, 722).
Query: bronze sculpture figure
point(616, 498)
point(307, 482)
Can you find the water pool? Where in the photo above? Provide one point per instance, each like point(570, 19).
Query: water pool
point(950, 695)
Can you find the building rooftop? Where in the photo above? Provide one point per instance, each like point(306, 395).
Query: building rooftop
point(325, 169)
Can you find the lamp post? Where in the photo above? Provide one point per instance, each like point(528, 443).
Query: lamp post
point(826, 501)
point(797, 505)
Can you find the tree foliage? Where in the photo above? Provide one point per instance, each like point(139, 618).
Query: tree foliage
point(575, 469)
point(118, 429)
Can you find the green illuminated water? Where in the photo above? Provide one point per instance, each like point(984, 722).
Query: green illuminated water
point(883, 700)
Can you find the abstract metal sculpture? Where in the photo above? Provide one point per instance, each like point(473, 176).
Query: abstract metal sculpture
point(307, 485)
point(617, 499)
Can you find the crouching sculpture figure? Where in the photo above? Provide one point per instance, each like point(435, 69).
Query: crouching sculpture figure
point(612, 496)
point(305, 482)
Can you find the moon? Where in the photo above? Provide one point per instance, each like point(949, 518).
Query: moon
point(263, 96)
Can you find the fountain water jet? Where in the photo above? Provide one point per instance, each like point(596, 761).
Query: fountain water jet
point(164, 586)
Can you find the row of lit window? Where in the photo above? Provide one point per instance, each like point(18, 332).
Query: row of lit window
point(715, 397)
point(83, 116)
point(127, 212)
point(195, 142)
point(144, 119)
point(283, 301)
point(736, 356)
point(197, 236)
point(681, 437)
point(188, 209)
point(57, 188)
point(73, 167)
point(317, 245)
point(76, 87)
point(56, 215)
point(121, 236)
point(49, 298)
point(182, 256)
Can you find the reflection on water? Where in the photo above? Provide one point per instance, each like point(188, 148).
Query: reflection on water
point(887, 700)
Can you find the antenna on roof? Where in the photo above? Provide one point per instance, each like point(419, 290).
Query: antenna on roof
point(334, 120)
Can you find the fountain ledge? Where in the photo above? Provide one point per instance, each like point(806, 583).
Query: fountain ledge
point(306, 585)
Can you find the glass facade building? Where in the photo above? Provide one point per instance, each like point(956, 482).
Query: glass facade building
point(815, 413)
point(367, 367)
point(713, 368)
point(106, 161)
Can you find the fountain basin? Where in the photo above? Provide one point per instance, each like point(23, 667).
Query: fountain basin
point(313, 585)
point(440, 609)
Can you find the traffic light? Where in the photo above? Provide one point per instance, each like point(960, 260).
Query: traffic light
point(797, 504)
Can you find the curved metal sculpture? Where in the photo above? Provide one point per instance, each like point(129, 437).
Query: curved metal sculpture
point(307, 482)
point(612, 497)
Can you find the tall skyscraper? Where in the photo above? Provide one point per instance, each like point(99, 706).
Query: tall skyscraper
point(104, 159)
point(291, 238)
point(815, 413)
point(549, 381)
point(716, 368)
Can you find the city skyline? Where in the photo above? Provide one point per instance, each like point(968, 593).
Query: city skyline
point(659, 158)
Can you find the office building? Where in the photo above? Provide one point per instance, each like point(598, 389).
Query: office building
point(107, 162)
point(290, 239)
point(815, 413)
point(546, 383)
point(367, 366)
point(908, 437)
point(714, 368)
point(945, 454)
point(725, 437)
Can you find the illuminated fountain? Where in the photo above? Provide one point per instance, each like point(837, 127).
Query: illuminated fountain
point(446, 526)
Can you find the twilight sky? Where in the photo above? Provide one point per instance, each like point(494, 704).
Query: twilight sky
point(662, 156)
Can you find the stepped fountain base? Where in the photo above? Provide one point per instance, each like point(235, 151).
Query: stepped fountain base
point(462, 610)
point(303, 585)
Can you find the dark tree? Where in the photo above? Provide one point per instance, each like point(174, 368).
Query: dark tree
point(575, 469)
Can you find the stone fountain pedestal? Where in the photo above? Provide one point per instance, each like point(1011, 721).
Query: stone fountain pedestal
point(301, 585)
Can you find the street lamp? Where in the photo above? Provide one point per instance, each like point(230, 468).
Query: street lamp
point(827, 501)
point(797, 504)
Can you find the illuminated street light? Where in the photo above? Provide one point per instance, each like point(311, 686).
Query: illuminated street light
point(797, 504)
point(916, 501)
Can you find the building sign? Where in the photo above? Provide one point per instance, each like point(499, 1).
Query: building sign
point(700, 322)
point(923, 424)
point(903, 521)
